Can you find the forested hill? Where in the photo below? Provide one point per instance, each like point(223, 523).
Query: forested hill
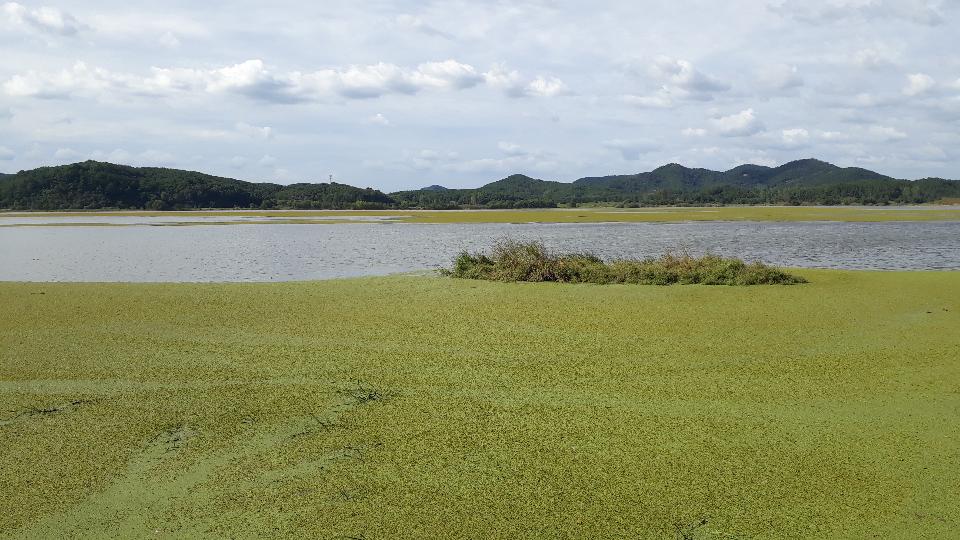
point(807, 181)
point(93, 185)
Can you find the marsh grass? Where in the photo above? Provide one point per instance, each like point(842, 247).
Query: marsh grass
point(512, 260)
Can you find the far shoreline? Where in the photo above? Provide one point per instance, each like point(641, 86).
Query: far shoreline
point(600, 214)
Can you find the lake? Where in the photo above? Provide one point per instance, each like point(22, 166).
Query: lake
point(132, 250)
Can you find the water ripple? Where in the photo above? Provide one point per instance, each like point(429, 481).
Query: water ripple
point(300, 252)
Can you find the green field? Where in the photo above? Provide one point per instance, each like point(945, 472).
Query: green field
point(424, 407)
point(558, 215)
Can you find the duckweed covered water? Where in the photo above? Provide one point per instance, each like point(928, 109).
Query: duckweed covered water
point(417, 407)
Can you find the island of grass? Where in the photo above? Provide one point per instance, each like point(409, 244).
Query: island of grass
point(512, 260)
point(425, 407)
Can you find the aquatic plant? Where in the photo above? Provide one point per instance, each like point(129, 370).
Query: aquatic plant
point(411, 407)
point(511, 260)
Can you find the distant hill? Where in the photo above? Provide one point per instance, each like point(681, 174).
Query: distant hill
point(93, 185)
point(806, 181)
point(807, 172)
point(516, 191)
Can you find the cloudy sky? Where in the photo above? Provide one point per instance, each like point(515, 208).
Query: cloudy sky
point(400, 94)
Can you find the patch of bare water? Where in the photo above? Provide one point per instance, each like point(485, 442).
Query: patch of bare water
point(274, 252)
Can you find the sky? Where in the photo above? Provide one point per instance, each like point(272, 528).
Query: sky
point(397, 94)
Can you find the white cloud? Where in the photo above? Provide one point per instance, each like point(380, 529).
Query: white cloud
point(281, 174)
point(660, 100)
point(547, 87)
point(511, 149)
point(6, 154)
point(140, 25)
point(238, 162)
point(447, 75)
point(376, 80)
point(255, 132)
point(707, 151)
point(118, 155)
point(872, 58)
point(923, 12)
point(631, 149)
point(169, 40)
point(379, 119)
point(511, 82)
point(255, 80)
point(928, 153)
point(505, 165)
point(866, 99)
point(428, 159)
point(267, 161)
point(756, 159)
point(66, 154)
point(80, 78)
point(693, 132)
point(780, 77)
point(156, 157)
point(515, 158)
point(919, 83)
point(832, 136)
point(741, 124)
point(518, 152)
point(795, 136)
point(240, 131)
point(885, 133)
point(508, 80)
point(417, 24)
point(44, 19)
point(681, 78)
point(125, 157)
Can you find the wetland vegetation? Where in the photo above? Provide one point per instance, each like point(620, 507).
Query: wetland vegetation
point(411, 407)
point(512, 260)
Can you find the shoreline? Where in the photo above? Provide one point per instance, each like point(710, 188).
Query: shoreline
point(868, 214)
point(433, 274)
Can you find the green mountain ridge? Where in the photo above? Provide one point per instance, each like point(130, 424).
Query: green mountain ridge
point(677, 177)
point(96, 185)
point(93, 185)
point(806, 181)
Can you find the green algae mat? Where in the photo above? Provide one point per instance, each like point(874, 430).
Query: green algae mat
point(423, 407)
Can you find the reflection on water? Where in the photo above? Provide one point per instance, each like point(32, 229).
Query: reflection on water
point(300, 252)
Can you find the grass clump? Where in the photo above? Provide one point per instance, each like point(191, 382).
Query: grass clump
point(512, 260)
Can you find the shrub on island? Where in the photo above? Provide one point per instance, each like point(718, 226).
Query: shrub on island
point(512, 261)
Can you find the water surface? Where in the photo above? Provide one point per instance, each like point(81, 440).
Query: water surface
point(275, 252)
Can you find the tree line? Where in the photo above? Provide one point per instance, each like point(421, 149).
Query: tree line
point(95, 185)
